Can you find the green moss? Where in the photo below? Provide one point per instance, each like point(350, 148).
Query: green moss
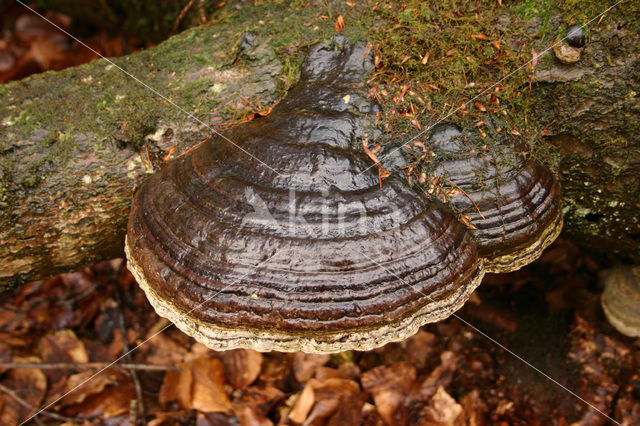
point(535, 9)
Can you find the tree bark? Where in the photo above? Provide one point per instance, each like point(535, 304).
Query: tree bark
point(74, 143)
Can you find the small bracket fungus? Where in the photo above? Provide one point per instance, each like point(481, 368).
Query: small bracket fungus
point(569, 50)
point(287, 241)
point(514, 203)
point(621, 299)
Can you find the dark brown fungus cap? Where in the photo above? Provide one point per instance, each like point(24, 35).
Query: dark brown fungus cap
point(517, 208)
point(311, 255)
point(621, 299)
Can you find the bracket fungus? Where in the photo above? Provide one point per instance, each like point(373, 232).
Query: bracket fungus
point(285, 239)
point(621, 299)
point(514, 203)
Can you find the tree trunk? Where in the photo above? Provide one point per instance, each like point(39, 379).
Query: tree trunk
point(74, 143)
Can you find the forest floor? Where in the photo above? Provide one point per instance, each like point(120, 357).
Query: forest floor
point(84, 346)
point(530, 347)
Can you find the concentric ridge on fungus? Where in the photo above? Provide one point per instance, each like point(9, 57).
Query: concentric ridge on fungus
point(213, 242)
point(311, 254)
point(514, 203)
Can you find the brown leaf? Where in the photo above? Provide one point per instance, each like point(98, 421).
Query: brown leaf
point(207, 393)
point(162, 350)
point(243, 366)
point(443, 410)
point(480, 107)
point(480, 37)
point(475, 410)
point(199, 384)
point(440, 376)
point(248, 417)
point(63, 346)
point(79, 386)
point(30, 385)
point(305, 365)
point(425, 58)
point(303, 404)
point(260, 399)
point(114, 401)
point(419, 347)
point(339, 25)
point(389, 386)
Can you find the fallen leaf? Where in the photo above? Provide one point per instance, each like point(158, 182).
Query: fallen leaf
point(114, 401)
point(339, 25)
point(162, 350)
point(79, 386)
point(198, 384)
point(443, 410)
point(303, 404)
point(440, 376)
point(63, 346)
point(480, 37)
point(425, 58)
point(475, 410)
point(305, 365)
point(389, 386)
point(480, 107)
point(242, 366)
point(29, 384)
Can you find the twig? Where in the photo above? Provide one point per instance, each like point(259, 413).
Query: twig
point(182, 13)
point(31, 408)
point(86, 365)
point(127, 353)
point(470, 199)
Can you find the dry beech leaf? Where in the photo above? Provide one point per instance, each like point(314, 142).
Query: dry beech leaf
point(389, 386)
point(113, 401)
point(331, 395)
point(475, 410)
point(305, 365)
point(162, 350)
point(303, 404)
point(79, 386)
point(248, 417)
point(480, 107)
point(29, 384)
point(259, 399)
point(242, 366)
point(63, 346)
point(339, 23)
point(321, 410)
point(443, 410)
point(198, 384)
point(440, 376)
point(419, 347)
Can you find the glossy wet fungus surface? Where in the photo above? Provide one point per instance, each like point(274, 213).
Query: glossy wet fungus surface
point(297, 247)
point(514, 203)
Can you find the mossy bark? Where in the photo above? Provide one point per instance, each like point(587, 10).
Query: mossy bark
point(594, 108)
point(74, 143)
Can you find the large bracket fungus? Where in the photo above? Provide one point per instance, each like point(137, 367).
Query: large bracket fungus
point(285, 240)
